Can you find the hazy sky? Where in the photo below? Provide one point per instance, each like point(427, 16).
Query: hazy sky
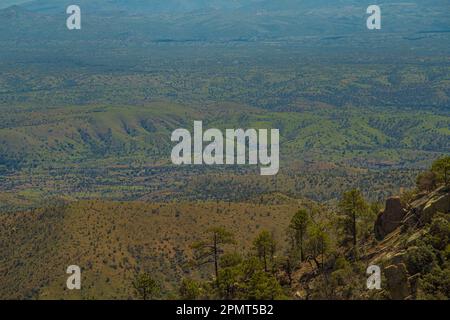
point(7, 3)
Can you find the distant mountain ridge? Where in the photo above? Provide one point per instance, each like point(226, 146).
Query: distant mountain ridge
point(8, 3)
point(189, 6)
point(140, 6)
point(211, 20)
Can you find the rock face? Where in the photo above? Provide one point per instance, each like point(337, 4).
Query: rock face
point(390, 218)
point(420, 212)
point(397, 281)
point(411, 222)
point(439, 203)
point(423, 209)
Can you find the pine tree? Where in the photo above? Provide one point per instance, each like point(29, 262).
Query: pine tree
point(145, 286)
point(208, 251)
point(353, 206)
point(265, 247)
point(299, 225)
point(318, 244)
point(441, 168)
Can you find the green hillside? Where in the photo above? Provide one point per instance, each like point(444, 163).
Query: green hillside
point(89, 152)
point(70, 135)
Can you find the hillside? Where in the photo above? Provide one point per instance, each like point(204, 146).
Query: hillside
point(88, 115)
point(86, 176)
point(68, 135)
point(113, 241)
point(56, 152)
point(410, 244)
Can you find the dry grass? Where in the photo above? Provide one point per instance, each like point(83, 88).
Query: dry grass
point(111, 241)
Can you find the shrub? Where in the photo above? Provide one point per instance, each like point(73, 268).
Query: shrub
point(426, 181)
point(439, 233)
point(189, 289)
point(441, 168)
point(420, 259)
point(435, 285)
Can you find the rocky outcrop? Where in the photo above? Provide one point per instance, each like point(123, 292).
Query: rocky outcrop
point(440, 203)
point(418, 213)
point(400, 284)
point(423, 209)
point(397, 281)
point(400, 227)
point(390, 218)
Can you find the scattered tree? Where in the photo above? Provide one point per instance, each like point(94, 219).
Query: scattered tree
point(441, 169)
point(209, 251)
point(265, 246)
point(426, 181)
point(318, 244)
point(256, 284)
point(146, 287)
point(190, 289)
point(353, 206)
point(299, 225)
